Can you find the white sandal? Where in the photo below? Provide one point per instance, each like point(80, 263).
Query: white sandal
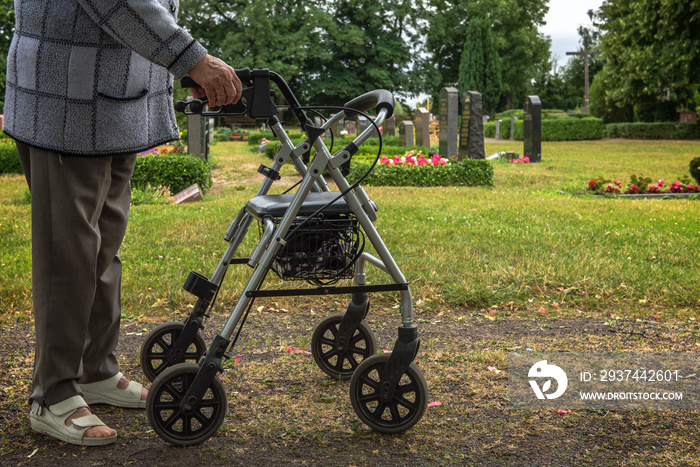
point(107, 392)
point(52, 421)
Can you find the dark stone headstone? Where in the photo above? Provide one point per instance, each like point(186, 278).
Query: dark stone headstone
point(471, 134)
point(449, 124)
point(406, 133)
point(532, 122)
point(421, 122)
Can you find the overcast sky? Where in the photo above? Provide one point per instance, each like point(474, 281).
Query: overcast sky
point(563, 20)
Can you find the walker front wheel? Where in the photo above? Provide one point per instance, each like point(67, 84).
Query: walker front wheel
point(402, 411)
point(164, 407)
point(340, 362)
point(155, 351)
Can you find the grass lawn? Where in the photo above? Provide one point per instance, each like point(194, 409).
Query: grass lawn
point(530, 263)
point(533, 241)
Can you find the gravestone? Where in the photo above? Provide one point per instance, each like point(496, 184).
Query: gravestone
point(498, 128)
point(532, 122)
point(390, 126)
point(362, 124)
point(198, 136)
point(449, 124)
point(421, 123)
point(471, 133)
point(512, 128)
point(406, 133)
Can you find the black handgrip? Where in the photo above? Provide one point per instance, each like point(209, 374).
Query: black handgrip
point(379, 98)
point(242, 73)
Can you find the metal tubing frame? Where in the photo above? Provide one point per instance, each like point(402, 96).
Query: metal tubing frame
point(313, 173)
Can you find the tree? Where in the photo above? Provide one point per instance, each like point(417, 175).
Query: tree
point(480, 65)
point(329, 51)
point(652, 50)
point(524, 52)
point(367, 45)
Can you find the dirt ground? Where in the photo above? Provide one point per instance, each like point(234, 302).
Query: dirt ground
point(282, 410)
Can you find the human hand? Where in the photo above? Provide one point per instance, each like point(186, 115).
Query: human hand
point(217, 81)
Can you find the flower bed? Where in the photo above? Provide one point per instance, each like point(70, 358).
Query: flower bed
point(641, 186)
point(414, 158)
point(415, 169)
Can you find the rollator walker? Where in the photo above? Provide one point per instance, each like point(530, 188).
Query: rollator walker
point(313, 235)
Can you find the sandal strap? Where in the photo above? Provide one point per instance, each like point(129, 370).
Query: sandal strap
point(67, 406)
point(87, 421)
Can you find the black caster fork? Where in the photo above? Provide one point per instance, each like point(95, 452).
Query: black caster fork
point(342, 341)
point(178, 342)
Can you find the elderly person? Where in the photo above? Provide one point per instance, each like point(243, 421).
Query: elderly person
point(89, 85)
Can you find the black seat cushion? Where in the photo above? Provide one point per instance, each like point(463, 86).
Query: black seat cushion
point(277, 205)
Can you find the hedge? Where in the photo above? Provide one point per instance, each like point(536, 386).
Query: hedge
point(9, 159)
point(370, 148)
point(555, 129)
point(174, 172)
point(661, 130)
point(467, 172)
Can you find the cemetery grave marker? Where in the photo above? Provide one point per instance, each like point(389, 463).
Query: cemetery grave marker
point(471, 135)
point(449, 126)
point(533, 129)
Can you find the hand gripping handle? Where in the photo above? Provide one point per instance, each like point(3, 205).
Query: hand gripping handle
point(197, 105)
point(242, 73)
point(379, 98)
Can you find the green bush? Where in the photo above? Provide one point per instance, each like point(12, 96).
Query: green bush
point(9, 159)
point(222, 134)
point(662, 130)
point(173, 172)
point(695, 169)
point(467, 172)
point(370, 147)
point(490, 128)
point(572, 129)
point(255, 137)
point(555, 129)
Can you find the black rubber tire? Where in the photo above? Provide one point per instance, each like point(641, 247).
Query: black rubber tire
point(166, 417)
point(403, 411)
point(160, 341)
point(363, 345)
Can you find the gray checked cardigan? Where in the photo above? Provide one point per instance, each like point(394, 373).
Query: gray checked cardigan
point(94, 77)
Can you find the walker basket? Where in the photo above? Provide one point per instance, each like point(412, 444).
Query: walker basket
point(321, 250)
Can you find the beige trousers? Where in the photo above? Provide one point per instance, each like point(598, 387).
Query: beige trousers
point(80, 208)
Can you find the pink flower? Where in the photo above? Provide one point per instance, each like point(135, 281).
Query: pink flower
point(562, 411)
point(591, 183)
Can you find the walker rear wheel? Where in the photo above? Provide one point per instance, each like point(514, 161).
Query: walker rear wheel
point(160, 341)
point(165, 413)
point(402, 411)
point(340, 363)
